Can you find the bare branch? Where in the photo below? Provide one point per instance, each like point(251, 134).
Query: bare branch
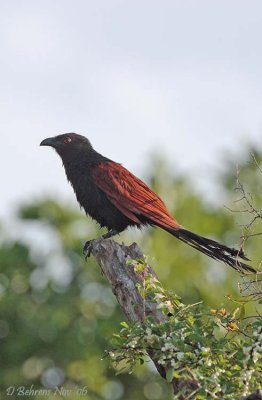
point(249, 288)
point(256, 162)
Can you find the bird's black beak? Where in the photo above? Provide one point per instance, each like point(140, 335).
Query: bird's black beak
point(48, 142)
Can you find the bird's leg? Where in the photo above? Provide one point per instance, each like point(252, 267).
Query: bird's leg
point(88, 245)
point(110, 233)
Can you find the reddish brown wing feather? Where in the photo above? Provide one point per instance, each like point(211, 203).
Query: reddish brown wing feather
point(131, 195)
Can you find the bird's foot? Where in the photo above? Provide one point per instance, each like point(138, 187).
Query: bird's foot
point(87, 249)
point(88, 246)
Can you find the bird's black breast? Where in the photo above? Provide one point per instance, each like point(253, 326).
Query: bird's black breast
point(93, 200)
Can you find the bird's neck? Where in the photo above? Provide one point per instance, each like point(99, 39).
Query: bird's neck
point(80, 157)
point(78, 166)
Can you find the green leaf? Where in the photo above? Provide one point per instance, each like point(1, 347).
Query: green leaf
point(124, 324)
point(170, 374)
point(242, 312)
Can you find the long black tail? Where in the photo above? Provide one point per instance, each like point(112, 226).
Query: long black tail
point(213, 249)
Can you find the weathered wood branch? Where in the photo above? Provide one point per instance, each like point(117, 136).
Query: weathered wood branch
point(123, 279)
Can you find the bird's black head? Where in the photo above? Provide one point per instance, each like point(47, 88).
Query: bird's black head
point(68, 145)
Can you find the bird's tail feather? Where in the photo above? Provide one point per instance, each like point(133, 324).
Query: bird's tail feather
point(215, 250)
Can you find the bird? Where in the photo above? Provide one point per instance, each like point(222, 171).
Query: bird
point(115, 198)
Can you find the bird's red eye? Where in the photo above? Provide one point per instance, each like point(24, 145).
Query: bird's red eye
point(67, 140)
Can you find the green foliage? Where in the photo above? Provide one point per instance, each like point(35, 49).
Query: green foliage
point(57, 314)
point(221, 350)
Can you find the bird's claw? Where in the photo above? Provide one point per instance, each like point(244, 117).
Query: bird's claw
point(87, 249)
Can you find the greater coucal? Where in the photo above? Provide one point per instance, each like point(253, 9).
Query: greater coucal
point(117, 199)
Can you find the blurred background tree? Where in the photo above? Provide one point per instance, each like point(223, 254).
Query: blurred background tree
point(57, 313)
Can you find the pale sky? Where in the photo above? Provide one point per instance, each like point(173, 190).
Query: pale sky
point(182, 77)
